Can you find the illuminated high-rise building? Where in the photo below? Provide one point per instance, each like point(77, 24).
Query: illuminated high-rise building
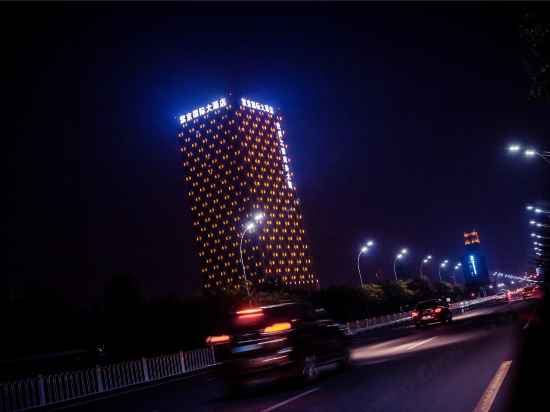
point(236, 165)
point(474, 265)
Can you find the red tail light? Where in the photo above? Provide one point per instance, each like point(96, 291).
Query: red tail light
point(217, 340)
point(278, 327)
point(414, 314)
point(437, 310)
point(250, 313)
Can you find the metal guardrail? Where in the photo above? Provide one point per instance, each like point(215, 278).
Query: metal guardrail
point(45, 390)
point(388, 320)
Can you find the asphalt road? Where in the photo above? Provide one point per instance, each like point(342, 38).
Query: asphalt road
point(469, 365)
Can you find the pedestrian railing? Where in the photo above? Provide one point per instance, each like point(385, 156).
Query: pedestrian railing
point(45, 390)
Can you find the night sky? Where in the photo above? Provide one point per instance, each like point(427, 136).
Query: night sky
point(397, 119)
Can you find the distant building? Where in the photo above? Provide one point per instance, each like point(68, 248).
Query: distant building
point(474, 264)
point(236, 165)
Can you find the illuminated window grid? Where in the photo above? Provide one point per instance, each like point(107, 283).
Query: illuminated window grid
point(234, 165)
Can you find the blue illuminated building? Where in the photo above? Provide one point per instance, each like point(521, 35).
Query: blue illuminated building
point(474, 264)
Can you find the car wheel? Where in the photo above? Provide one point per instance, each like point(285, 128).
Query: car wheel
point(418, 325)
point(310, 370)
point(450, 318)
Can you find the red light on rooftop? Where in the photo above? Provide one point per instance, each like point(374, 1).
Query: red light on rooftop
point(471, 237)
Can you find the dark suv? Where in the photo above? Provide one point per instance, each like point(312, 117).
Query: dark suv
point(430, 311)
point(261, 344)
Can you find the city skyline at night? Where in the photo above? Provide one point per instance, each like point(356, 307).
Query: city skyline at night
point(276, 206)
point(366, 137)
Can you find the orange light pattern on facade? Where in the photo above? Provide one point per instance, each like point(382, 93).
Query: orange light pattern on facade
point(234, 167)
point(471, 238)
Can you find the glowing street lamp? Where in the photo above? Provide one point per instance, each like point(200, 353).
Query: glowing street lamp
point(514, 148)
point(537, 210)
point(529, 152)
point(399, 256)
point(441, 266)
point(363, 250)
point(424, 261)
point(457, 267)
point(249, 227)
point(538, 224)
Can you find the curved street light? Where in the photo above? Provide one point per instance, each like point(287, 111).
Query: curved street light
point(363, 250)
point(538, 224)
point(441, 266)
point(249, 227)
point(457, 266)
point(529, 152)
point(399, 256)
point(537, 210)
point(425, 260)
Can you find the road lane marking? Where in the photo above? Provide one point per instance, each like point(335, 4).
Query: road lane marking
point(283, 403)
point(422, 342)
point(486, 401)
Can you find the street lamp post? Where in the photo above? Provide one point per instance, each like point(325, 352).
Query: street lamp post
point(399, 256)
point(537, 210)
point(442, 265)
point(538, 224)
point(248, 227)
point(364, 249)
point(529, 152)
point(425, 260)
point(457, 266)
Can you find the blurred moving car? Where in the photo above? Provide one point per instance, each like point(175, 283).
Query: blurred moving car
point(262, 344)
point(431, 311)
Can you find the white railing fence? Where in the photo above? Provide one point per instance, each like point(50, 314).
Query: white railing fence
point(51, 389)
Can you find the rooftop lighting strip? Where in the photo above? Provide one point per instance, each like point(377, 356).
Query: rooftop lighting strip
point(201, 111)
point(258, 106)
